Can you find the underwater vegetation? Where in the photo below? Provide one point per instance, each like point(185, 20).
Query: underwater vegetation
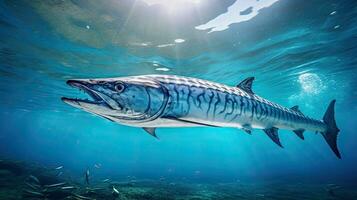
point(23, 180)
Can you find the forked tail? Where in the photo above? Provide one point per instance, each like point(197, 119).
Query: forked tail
point(331, 133)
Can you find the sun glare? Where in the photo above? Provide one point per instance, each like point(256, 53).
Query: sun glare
point(171, 4)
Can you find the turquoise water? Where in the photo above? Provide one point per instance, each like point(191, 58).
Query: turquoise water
point(301, 53)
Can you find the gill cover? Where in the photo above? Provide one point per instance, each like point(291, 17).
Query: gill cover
point(140, 100)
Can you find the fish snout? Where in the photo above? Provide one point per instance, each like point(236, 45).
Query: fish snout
point(77, 82)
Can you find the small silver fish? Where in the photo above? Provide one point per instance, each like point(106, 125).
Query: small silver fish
point(34, 179)
point(115, 192)
point(81, 197)
point(33, 193)
point(58, 168)
point(32, 186)
point(106, 180)
point(68, 188)
point(55, 185)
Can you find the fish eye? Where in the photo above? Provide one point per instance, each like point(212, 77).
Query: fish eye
point(119, 87)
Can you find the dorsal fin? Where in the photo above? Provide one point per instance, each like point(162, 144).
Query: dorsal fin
point(273, 135)
point(296, 109)
point(151, 131)
point(246, 85)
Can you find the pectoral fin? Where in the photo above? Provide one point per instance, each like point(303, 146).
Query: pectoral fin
point(273, 135)
point(151, 131)
point(247, 128)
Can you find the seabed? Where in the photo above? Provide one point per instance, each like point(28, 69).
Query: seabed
point(22, 180)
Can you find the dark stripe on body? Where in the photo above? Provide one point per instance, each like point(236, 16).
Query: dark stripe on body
point(188, 99)
point(177, 94)
point(215, 105)
point(237, 104)
point(209, 103)
point(201, 95)
point(225, 103)
point(231, 112)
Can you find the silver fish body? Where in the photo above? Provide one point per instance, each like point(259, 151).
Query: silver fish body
point(213, 104)
point(152, 101)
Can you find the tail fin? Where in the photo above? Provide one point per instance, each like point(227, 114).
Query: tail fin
point(331, 133)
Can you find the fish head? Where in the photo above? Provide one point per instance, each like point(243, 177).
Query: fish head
point(127, 100)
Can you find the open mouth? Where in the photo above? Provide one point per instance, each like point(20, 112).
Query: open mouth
point(95, 98)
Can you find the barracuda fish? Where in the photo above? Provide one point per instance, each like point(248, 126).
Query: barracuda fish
point(151, 101)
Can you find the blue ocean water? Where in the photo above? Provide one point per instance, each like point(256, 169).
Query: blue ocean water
point(301, 53)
